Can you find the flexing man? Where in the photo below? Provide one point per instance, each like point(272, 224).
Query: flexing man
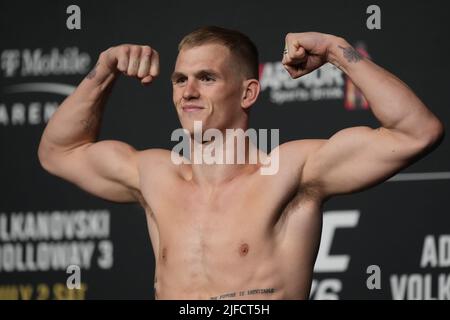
point(221, 230)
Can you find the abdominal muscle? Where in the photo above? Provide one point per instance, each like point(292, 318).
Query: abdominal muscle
point(220, 261)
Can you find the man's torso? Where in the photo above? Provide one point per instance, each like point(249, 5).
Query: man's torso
point(254, 237)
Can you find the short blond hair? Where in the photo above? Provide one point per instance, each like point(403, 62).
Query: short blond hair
point(238, 43)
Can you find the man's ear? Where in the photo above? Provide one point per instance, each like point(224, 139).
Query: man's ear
point(250, 93)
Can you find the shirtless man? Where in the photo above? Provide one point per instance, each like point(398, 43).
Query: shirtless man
point(227, 231)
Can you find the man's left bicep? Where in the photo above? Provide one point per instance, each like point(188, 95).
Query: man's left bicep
point(357, 158)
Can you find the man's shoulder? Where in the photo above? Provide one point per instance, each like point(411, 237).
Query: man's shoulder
point(156, 157)
point(154, 154)
point(158, 161)
point(297, 151)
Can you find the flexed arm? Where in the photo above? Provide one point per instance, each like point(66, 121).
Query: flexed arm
point(69, 147)
point(359, 157)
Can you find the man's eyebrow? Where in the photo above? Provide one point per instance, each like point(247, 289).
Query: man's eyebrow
point(200, 73)
point(176, 75)
point(207, 72)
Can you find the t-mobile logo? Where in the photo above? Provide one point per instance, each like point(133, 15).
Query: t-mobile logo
point(10, 62)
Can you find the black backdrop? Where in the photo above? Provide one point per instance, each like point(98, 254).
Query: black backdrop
point(402, 225)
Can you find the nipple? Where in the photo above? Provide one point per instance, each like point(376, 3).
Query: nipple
point(243, 249)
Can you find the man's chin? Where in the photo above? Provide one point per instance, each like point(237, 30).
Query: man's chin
point(198, 133)
point(196, 126)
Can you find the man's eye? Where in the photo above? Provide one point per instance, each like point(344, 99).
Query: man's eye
point(180, 80)
point(207, 78)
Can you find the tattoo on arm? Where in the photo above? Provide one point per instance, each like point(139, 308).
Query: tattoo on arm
point(351, 54)
point(91, 74)
point(266, 291)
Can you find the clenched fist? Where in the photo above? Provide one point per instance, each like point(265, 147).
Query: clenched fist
point(305, 52)
point(132, 60)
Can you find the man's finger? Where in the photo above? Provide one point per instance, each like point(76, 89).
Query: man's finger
point(296, 53)
point(154, 65)
point(147, 80)
point(133, 64)
point(293, 71)
point(123, 58)
point(144, 64)
point(300, 53)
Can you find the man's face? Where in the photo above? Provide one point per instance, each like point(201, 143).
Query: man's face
point(208, 87)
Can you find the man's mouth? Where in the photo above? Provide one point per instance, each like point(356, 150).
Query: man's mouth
point(192, 108)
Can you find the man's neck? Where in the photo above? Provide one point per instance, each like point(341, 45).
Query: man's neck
point(236, 161)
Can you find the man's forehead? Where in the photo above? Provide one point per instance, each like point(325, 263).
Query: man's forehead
point(204, 56)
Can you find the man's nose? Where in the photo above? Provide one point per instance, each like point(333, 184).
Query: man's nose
point(190, 90)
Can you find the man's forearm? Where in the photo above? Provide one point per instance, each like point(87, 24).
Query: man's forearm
point(77, 120)
point(393, 103)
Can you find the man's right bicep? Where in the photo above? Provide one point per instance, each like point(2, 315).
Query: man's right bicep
point(107, 169)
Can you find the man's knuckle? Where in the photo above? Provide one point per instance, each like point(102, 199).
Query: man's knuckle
point(134, 49)
point(146, 49)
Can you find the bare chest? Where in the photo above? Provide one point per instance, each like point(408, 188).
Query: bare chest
point(236, 219)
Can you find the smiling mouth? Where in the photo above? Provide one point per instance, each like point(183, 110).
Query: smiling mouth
point(192, 108)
